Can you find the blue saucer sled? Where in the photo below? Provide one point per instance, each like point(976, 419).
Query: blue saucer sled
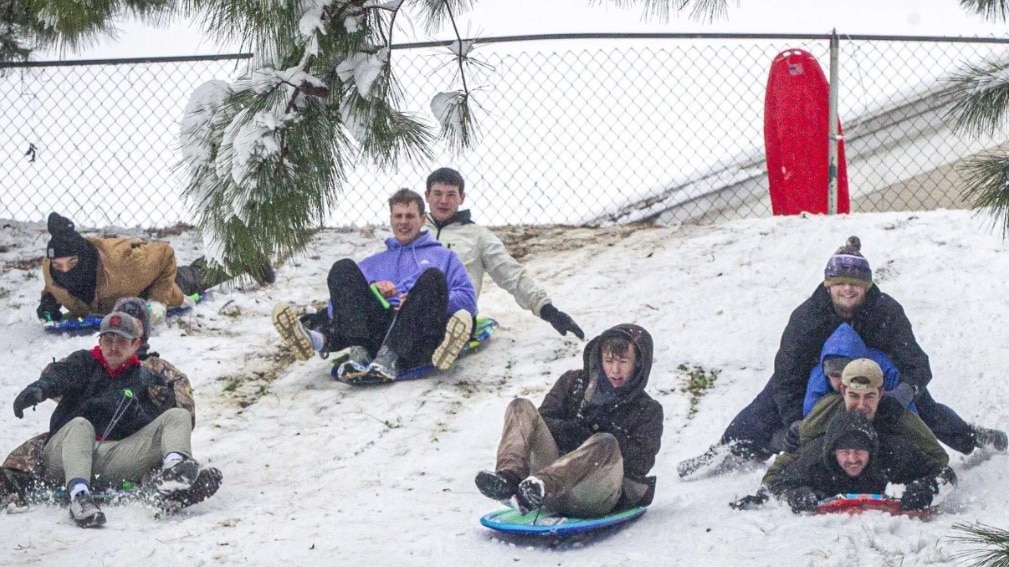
point(538, 523)
point(90, 323)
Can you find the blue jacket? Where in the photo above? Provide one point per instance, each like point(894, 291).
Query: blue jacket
point(403, 264)
point(845, 341)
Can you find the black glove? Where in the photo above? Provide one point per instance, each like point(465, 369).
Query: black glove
point(49, 308)
point(560, 320)
point(802, 499)
point(918, 494)
point(792, 437)
point(595, 417)
point(903, 393)
point(29, 397)
point(750, 501)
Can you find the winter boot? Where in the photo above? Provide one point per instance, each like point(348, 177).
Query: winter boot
point(719, 459)
point(84, 512)
point(531, 494)
point(385, 364)
point(497, 485)
point(180, 476)
point(984, 437)
point(295, 336)
point(457, 333)
point(207, 482)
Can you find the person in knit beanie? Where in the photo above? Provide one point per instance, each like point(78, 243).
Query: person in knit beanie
point(88, 275)
point(847, 265)
point(847, 295)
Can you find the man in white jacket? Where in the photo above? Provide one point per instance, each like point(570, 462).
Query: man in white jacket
point(482, 251)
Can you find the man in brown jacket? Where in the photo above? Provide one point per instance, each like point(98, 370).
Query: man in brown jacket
point(88, 275)
point(587, 450)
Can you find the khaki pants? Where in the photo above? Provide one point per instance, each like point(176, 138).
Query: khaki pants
point(71, 453)
point(585, 482)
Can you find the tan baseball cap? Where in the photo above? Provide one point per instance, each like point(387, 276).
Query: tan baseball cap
point(862, 375)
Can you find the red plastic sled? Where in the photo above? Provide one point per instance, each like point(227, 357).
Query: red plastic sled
point(857, 503)
point(796, 136)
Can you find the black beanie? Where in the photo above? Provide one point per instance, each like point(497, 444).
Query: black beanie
point(65, 240)
point(853, 439)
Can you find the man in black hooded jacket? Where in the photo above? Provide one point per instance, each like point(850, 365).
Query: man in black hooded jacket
point(588, 449)
point(851, 459)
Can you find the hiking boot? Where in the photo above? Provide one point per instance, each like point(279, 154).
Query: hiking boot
point(385, 364)
point(180, 476)
point(497, 485)
point(84, 512)
point(719, 459)
point(984, 437)
point(457, 333)
point(530, 495)
point(207, 482)
point(285, 320)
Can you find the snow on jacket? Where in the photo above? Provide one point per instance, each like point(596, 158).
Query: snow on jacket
point(127, 267)
point(87, 389)
point(634, 418)
point(402, 264)
point(881, 323)
point(482, 251)
point(845, 342)
point(892, 459)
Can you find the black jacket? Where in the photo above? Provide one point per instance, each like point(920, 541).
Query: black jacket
point(892, 458)
point(87, 390)
point(634, 418)
point(881, 323)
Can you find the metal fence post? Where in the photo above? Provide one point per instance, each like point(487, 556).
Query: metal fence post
point(834, 137)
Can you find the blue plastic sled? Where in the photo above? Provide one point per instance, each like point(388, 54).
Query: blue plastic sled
point(91, 322)
point(481, 334)
point(538, 523)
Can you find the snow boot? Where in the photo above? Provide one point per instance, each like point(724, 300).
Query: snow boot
point(207, 482)
point(531, 494)
point(457, 334)
point(84, 512)
point(497, 485)
point(984, 437)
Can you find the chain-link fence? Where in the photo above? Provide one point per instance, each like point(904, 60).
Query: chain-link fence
point(573, 130)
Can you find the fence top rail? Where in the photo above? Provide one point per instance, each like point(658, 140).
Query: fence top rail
point(125, 61)
point(539, 37)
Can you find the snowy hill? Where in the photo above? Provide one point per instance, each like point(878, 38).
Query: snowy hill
point(318, 473)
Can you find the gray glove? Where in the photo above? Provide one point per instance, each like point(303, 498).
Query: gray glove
point(903, 393)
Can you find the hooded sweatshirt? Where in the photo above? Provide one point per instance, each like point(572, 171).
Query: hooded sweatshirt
point(844, 341)
point(630, 415)
point(402, 264)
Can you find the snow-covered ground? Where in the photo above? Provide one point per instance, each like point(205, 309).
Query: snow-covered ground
point(319, 473)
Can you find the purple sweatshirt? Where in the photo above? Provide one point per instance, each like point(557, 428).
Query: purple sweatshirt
point(403, 264)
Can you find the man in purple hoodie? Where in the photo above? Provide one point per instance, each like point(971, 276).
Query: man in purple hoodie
point(407, 306)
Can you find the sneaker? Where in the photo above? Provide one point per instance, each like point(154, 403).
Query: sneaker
point(457, 332)
point(207, 482)
point(285, 320)
point(180, 476)
point(84, 512)
point(385, 364)
point(530, 494)
point(984, 437)
point(497, 485)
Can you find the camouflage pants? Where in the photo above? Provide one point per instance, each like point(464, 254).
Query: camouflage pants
point(586, 482)
point(71, 453)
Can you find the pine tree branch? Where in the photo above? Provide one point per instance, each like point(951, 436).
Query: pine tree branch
point(995, 542)
point(988, 9)
point(987, 186)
